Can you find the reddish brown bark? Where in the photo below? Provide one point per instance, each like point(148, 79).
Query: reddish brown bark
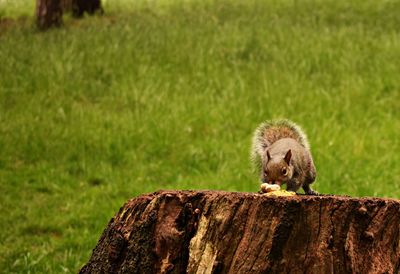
point(48, 14)
point(228, 232)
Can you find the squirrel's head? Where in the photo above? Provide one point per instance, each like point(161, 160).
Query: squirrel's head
point(277, 169)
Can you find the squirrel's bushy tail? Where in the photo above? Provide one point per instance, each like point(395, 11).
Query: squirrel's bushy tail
point(269, 132)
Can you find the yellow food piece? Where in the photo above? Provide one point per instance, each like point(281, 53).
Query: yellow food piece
point(268, 188)
point(280, 193)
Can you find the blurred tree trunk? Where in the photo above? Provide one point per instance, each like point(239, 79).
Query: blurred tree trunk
point(79, 7)
point(48, 14)
point(66, 5)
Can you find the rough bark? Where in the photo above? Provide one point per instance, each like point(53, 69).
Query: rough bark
point(48, 14)
point(229, 232)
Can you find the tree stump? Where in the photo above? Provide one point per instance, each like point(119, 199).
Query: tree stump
point(48, 14)
point(230, 232)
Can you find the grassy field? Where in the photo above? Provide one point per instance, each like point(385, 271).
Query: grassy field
point(166, 94)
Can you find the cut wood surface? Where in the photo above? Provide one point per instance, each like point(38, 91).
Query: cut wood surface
point(232, 232)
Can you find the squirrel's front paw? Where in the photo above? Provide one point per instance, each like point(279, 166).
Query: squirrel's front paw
point(312, 192)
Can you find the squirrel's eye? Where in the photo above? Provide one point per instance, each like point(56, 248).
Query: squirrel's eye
point(284, 171)
point(265, 173)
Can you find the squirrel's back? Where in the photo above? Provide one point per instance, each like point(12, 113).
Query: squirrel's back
point(271, 131)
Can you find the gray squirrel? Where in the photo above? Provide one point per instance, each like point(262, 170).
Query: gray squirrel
point(281, 153)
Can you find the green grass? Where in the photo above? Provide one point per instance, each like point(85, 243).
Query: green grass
point(165, 95)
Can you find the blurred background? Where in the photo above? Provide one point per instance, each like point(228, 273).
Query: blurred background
point(166, 94)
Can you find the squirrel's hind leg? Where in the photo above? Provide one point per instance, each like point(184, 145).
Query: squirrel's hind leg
point(293, 185)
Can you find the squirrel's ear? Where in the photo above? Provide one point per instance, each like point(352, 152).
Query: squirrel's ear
point(288, 156)
point(268, 155)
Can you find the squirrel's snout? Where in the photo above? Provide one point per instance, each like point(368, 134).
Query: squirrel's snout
point(274, 183)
